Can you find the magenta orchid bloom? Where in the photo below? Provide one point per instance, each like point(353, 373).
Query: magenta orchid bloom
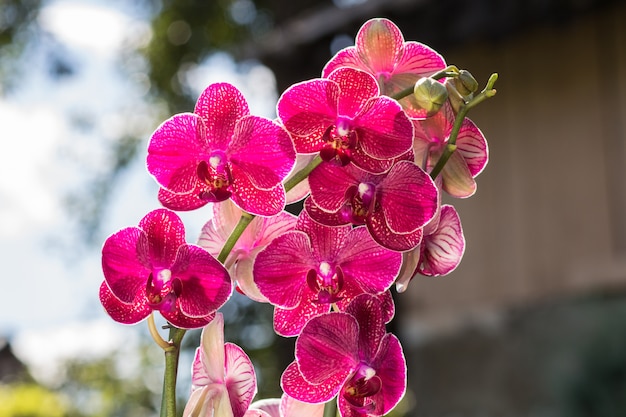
point(345, 119)
point(348, 353)
point(221, 151)
point(287, 406)
point(381, 51)
point(259, 233)
point(223, 382)
point(394, 206)
point(439, 253)
point(304, 272)
point(470, 158)
point(150, 267)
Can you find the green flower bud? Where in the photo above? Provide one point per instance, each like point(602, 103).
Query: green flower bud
point(430, 95)
point(466, 83)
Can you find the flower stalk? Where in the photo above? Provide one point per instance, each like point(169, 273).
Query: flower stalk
point(487, 92)
point(330, 408)
point(172, 353)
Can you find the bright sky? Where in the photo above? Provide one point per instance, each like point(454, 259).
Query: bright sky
point(50, 307)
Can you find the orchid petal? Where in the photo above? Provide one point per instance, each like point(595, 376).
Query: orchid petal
point(472, 145)
point(366, 309)
point(408, 197)
point(379, 44)
point(256, 413)
point(182, 202)
point(290, 407)
point(175, 149)
point(457, 178)
point(271, 406)
point(182, 321)
point(325, 240)
point(294, 385)
point(442, 251)
point(326, 348)
point(306, 110)
point(387, 305)
point(240, 379)
point(329, 183)
point(356, 88)
point(255, 200)
point(125, 263)
point(385, 131)
point(166, 233)
point(323, 217)
point(380, 231)
point(206, 285)
point(373, 267)
point(288, 323)
point(220, 106)
point(410, 260)
point(419, 59)
point(390, 366)
point(212, 355)
point(121, 312)
point(280, 269)
point(347, 57)
point(262, 149)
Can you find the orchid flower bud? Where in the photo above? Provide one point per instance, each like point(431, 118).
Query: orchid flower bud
point(465, 83)
point(430, 95)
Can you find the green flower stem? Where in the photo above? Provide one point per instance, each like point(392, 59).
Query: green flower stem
point(244, 221)
point(330, 408)
point(168, 401)
point(487, 92)
point(303, 173)
point(450, 71)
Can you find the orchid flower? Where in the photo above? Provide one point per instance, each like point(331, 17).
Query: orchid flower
point(345, 119)
point(439, 253)
point(223, 382)
point(304, 272)
point(394, 206)
point(150, 267)
point(287, 406)
point(219, 152)
point(470, 158)
point(350, 354)
point(259, 233)
point(381, 51)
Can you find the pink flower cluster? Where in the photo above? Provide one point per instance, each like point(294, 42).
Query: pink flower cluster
point(372, 217)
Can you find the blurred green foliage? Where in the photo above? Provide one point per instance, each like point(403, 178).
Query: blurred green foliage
point(31, 400)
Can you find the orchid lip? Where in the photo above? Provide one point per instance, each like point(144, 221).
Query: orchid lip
point(162, 291)
point(359, 389)
point(325, 284)
point(216, 175)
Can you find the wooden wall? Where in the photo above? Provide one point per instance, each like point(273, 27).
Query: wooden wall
point(549, 216)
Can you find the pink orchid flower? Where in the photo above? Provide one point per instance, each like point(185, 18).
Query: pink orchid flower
point(381, 51)
point(348, 353)
point(221, 151)
point(259, 233)
point(394, 206)
point(345, 119)
point(304, 272)
point(150, 267)
point(439, 253)
point(287, 406)
point(223, 381)
point(469, 159)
